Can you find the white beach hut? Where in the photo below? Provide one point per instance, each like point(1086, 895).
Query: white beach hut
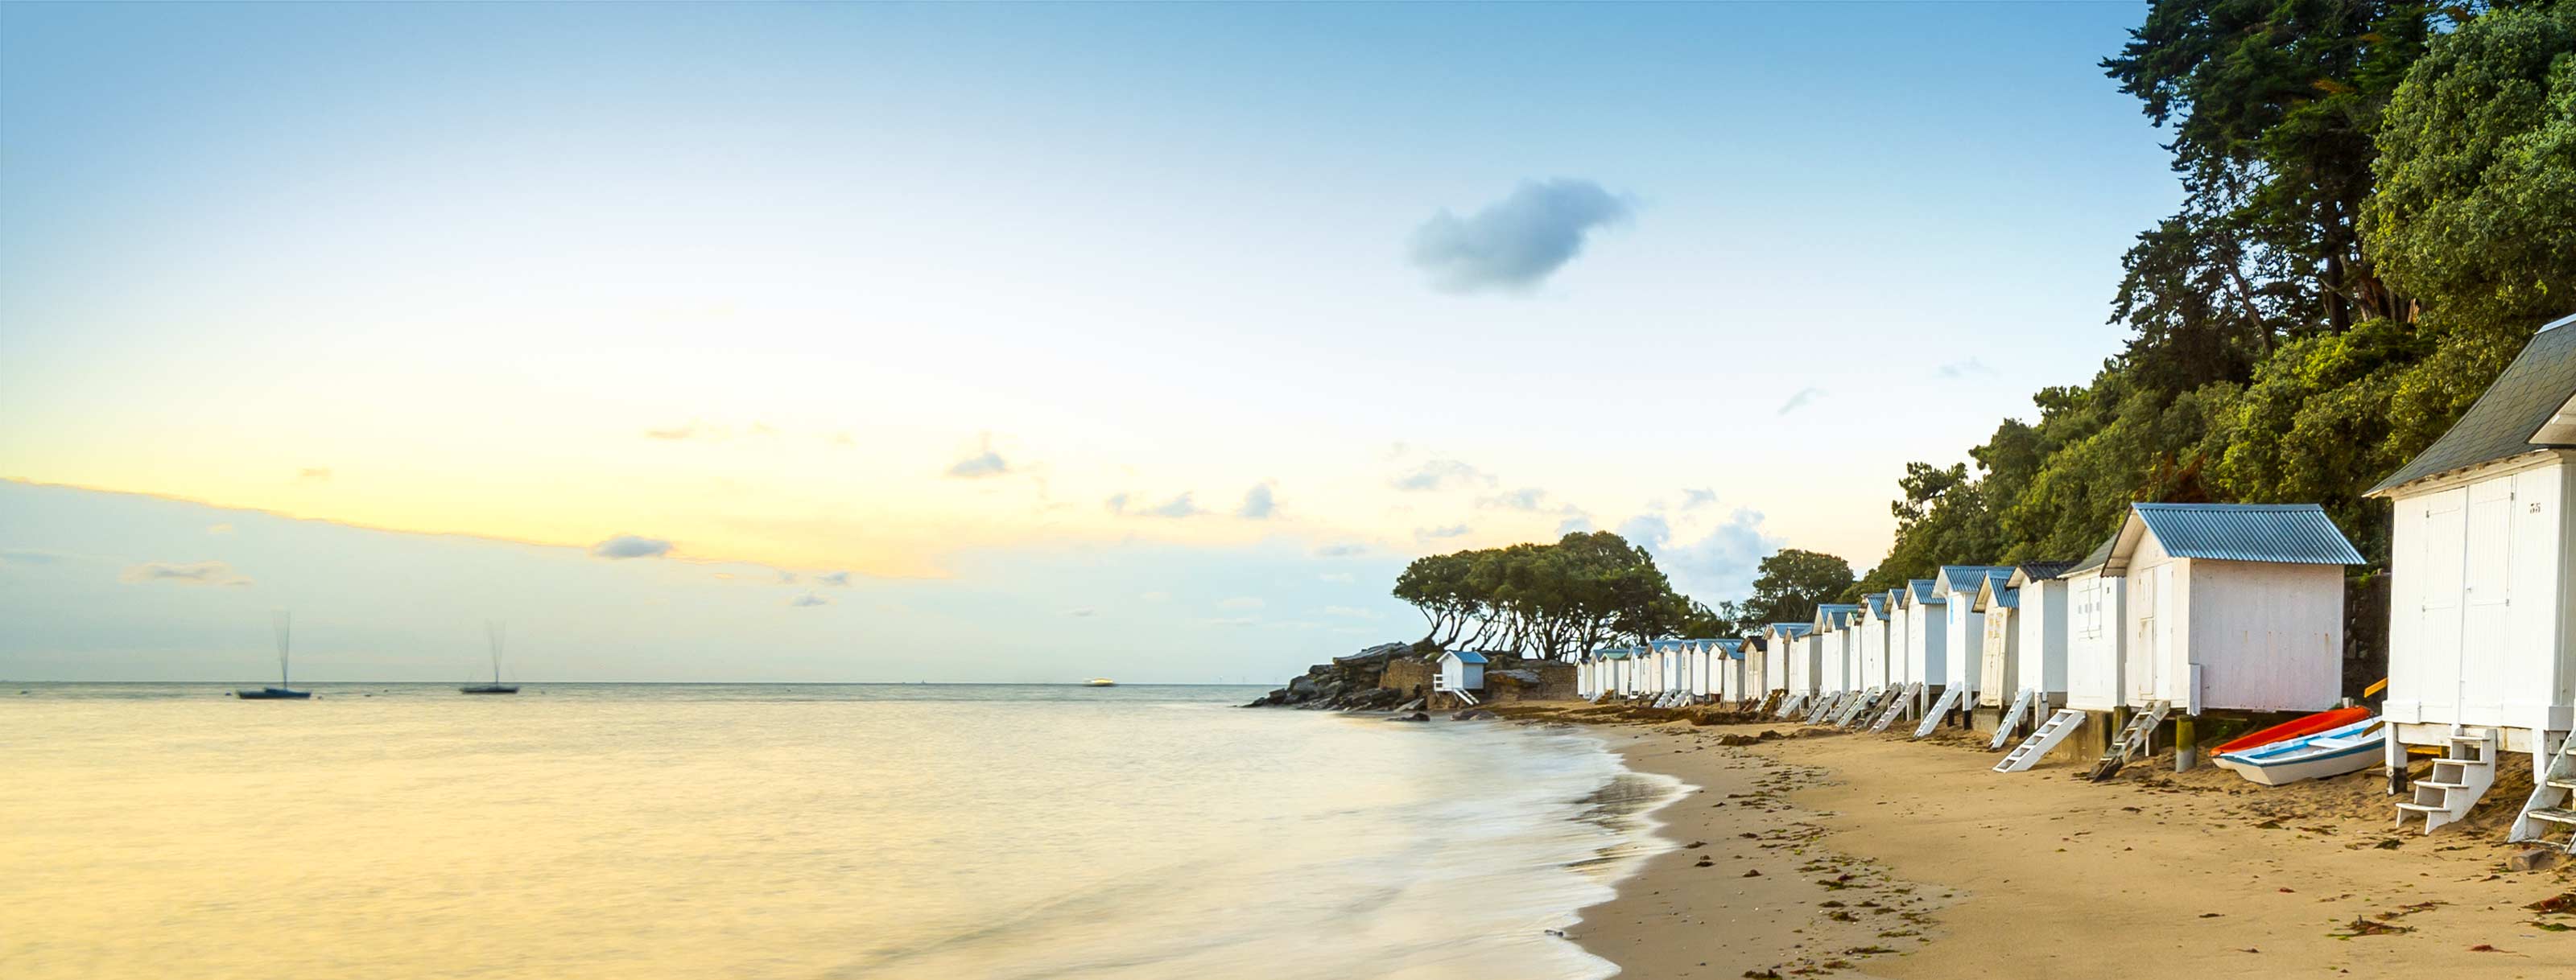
point(2482, 592)
point(1999, 661)
point(1462, 670)
point(1872, 629)
point(2039, 616)
point(1730, 672)
point(1963, 633)
point(2232, 607)
point(2094, 643)
point(1927, 624)
point(1837, 655)
point(1795, 657)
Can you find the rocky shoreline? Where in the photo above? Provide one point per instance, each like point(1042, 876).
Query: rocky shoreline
point(1398, 676)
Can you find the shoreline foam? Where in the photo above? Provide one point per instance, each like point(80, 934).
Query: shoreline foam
point(2038, 874)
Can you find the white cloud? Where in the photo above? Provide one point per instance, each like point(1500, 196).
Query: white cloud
point(1694, 498)
point(1082, 613)
point(313, 475)
point(1515, 243)
point(1339, 578)
point(983, 463)
point(833, 578)
point(1442, 474)
point(1802, 399)
point(809, 599)
point(177, 573)
point(1971, 367)
point(1127, 505)
point(219, 529)
point(1240, 602)
point(1156, 597)
point(1259, 503)
point(1439, 533)
point(631, 546)
point(1344, 549)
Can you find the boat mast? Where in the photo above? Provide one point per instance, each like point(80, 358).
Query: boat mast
point(284, 620)
point(492, 629)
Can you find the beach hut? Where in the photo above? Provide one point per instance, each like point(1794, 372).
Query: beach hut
point(1704, 662)
point(1756, 648)
point(1963, 633)
point(1872, 629)
point(2232, 607)
point(1997, 603)
point(2094, 645)
point(1927, 624)
point(1730, 670)
point(1837, 655)
point(2482, 592)
point(1461, 670)
point(2039, 617)
point(1794, 657)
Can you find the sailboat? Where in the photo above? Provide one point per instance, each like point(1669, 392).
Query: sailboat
point(493, 631)
point(281, 692)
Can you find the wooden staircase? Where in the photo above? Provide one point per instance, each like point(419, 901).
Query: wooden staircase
point(2457, 781)
point(1791, 707)
point(1824, 707)
point(2051, 732)
point(2133, 740)
point(1857, 709)
point(1904, 701)
point(2548, 810)
point(2028, 699)
point(1950, 699)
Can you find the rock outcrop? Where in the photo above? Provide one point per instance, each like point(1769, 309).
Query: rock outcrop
point(1354, 682)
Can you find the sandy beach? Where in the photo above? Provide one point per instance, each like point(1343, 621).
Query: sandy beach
point(1870, 855)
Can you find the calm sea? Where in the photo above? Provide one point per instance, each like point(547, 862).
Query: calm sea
point(702, 831)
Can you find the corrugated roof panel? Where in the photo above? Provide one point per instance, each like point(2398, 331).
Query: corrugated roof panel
point(2509, 416)
point(2298, 534)
point(1468, 656)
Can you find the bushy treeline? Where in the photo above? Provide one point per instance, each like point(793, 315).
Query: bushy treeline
point(1538, 600)
point(2380, 209)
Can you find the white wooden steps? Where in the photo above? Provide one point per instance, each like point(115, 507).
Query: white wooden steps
point(2548, 810)
point(2051, 732)
point(2011, 720)
point(1790, 708)
point(1825, 706)
point(1950, 698)
point(2457, 781)
point(1904, 700)
point(1857, 709)
point(2133, 739)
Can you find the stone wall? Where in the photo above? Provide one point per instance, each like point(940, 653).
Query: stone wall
point(1409, 674)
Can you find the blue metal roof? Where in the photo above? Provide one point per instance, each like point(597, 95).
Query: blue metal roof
point(1924, 594)
point(1735, 647)
point(1966, 578)
point(1668, 644)
point(2005, 596)
point(1793, 629)
point(1468, 656)
point(1877, 605)
point(2299, 534)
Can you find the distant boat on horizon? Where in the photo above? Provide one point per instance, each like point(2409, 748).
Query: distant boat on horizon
point(492, 630)
point(281, 692)
point(1100, 682)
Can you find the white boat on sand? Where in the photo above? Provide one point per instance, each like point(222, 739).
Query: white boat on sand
point(2333, 752)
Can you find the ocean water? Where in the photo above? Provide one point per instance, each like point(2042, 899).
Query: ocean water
point(758, 831)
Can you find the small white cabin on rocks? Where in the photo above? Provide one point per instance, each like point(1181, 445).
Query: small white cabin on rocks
point(2233, 607)
point(1462, 670)
point(2482, 564)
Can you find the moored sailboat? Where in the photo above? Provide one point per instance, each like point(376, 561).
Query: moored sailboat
point(493, 631)
point(281, 692)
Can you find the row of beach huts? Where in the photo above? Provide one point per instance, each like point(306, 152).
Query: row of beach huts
point(2200, 613)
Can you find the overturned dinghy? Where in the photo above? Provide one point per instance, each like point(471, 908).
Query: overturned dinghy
point(2333, 752)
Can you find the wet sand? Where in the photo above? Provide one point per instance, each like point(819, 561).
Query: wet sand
point(1869, 855)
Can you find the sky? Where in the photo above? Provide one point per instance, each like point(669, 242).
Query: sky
point(995, 342)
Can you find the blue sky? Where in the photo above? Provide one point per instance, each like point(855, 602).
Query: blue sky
point(1012, 313)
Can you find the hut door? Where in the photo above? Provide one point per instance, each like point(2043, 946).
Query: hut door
point(2437, 623)
point(2488, 573)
